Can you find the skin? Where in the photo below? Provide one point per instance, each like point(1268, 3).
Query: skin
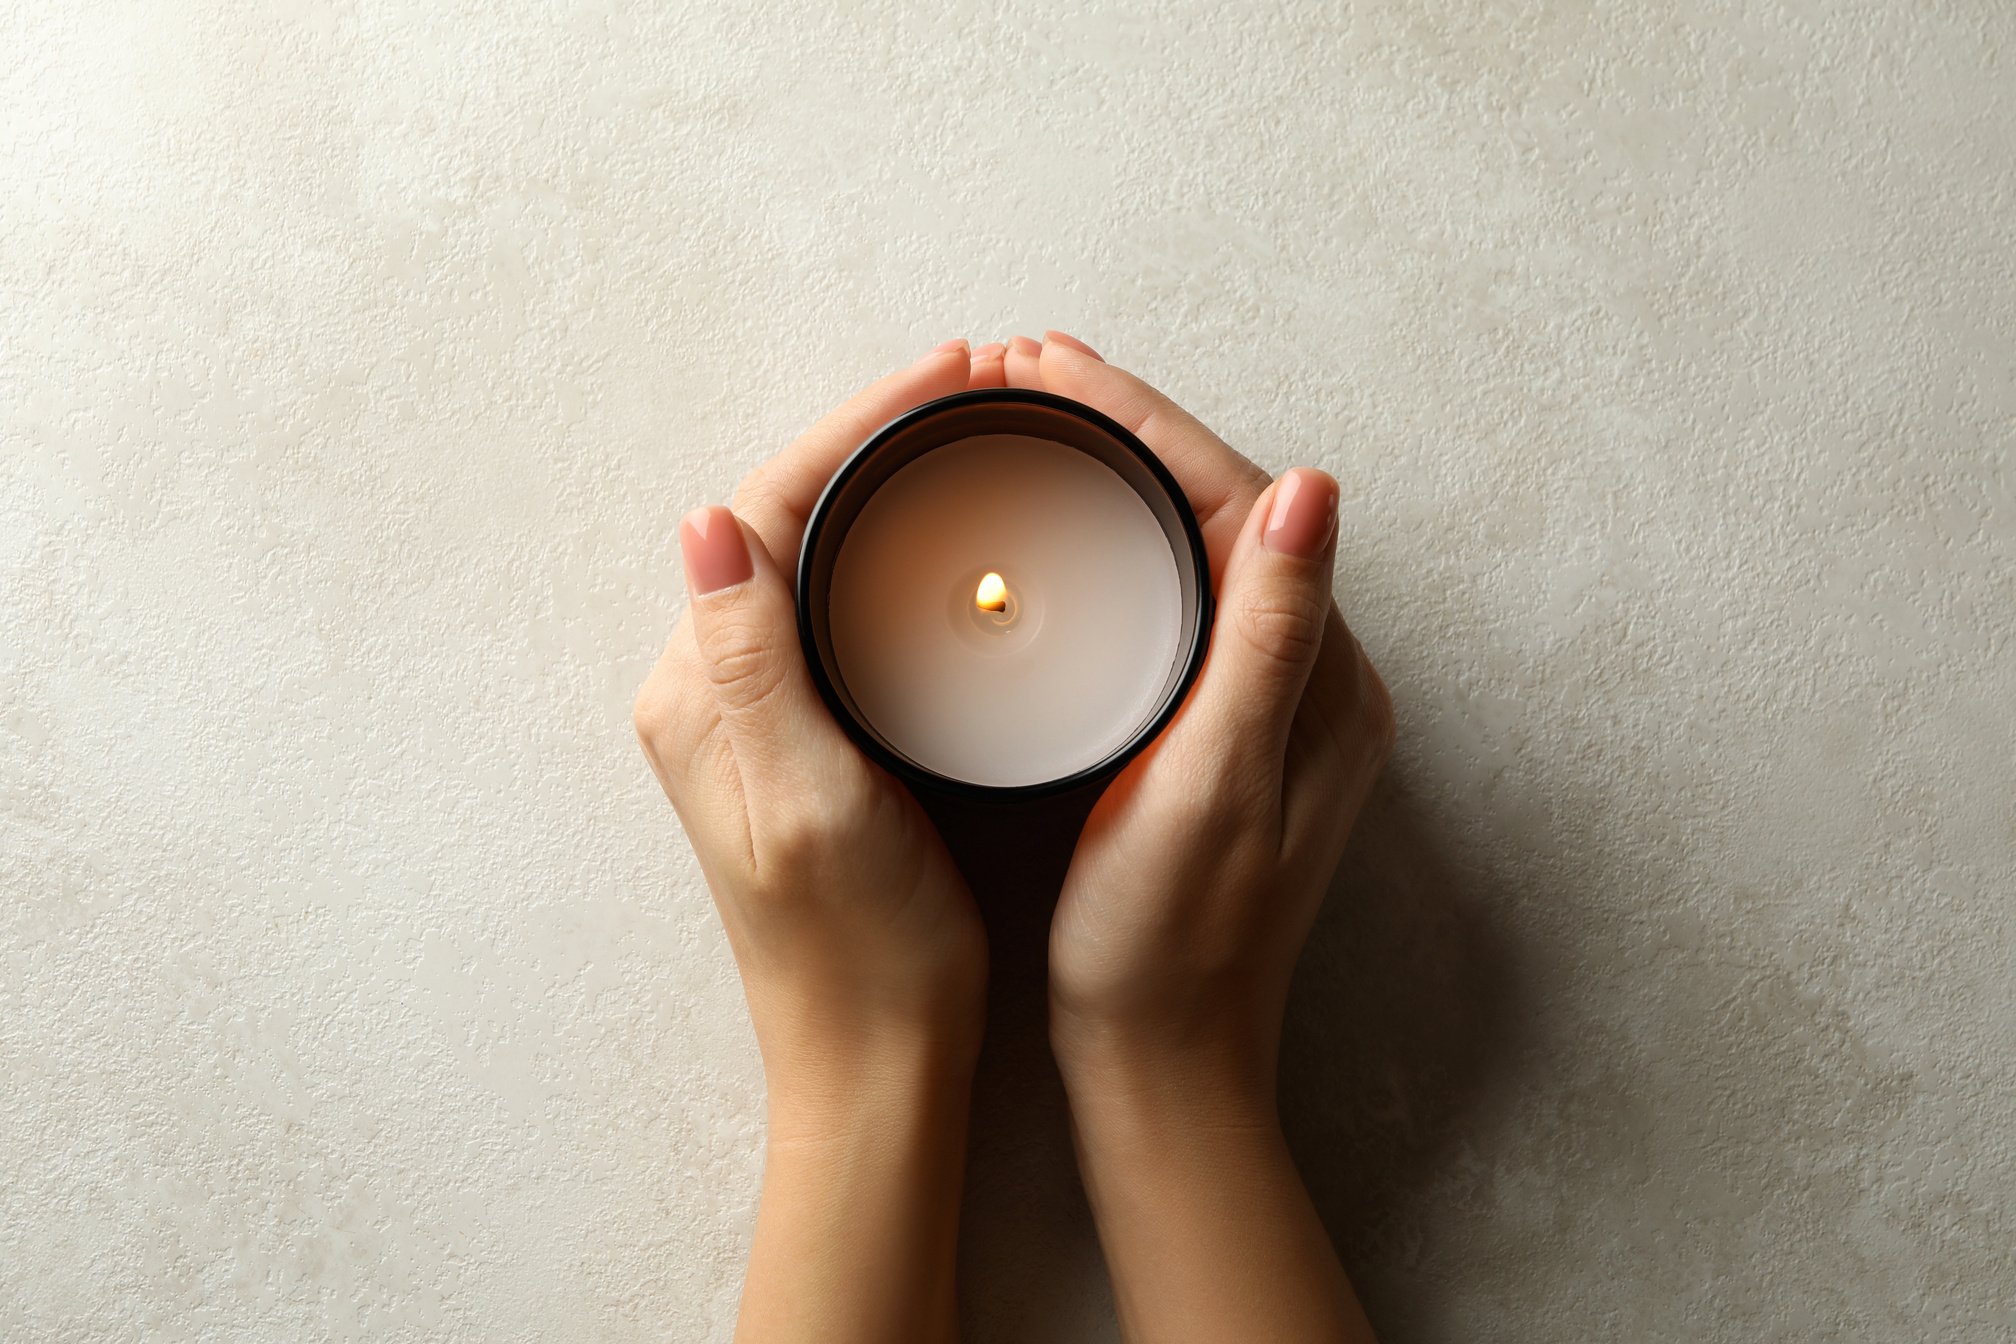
point(1188, 898)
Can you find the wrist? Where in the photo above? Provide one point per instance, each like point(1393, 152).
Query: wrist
point(851, 1089)
point(1217, 1077)
point(833, 1061)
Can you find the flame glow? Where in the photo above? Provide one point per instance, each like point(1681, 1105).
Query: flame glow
point(992, 594)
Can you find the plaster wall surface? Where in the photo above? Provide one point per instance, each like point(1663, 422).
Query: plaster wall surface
point(356, 361)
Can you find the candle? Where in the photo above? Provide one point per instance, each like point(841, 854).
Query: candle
point(1005, 611)
point(1003, 591)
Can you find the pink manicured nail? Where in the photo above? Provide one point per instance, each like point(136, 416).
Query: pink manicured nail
point(716, 555)
point(1304, 516)
point(1065, 338)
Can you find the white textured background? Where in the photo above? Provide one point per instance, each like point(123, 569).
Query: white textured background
point(356, 361)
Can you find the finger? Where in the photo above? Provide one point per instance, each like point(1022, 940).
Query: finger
point(745, 634)
point(1272, 608)
point(1220, 484)
point(989, 368)
point(1066, 338)
point(1024, 362)
point(778, 496)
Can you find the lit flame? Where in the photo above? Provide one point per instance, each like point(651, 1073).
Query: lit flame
point(993, 593)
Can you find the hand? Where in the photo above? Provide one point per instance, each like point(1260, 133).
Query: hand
point(1189, 896)
point(1200, 871)
point(1202, 867)
point(847, 918)
point(861, 953)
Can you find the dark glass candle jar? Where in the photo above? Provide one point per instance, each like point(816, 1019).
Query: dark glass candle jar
point(1003, 594)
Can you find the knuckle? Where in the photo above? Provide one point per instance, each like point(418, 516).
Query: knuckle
point(663, 705)
point(659, 714)
point(1351, 714)
point(1248, 481)
point(650, 712)
point(800, 839)
point(743, 657)
point(1282, 622)
point(671, 720)
point(762, 494)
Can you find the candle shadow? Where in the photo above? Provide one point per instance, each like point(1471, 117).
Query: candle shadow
point(1402, 1027)
point(1403, 1011)
point(1029, 1264)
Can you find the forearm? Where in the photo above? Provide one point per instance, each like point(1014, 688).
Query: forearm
point(1207, 1228)
point(855, 1237)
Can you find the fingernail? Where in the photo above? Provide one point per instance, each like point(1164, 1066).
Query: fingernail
point(943, 347)
point(712, 545)
point(1022, 345)
point(991, 350)
point(1304, 515)
point(1065, 338)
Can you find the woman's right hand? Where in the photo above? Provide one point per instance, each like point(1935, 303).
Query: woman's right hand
point(860, 950)
point(851, 926)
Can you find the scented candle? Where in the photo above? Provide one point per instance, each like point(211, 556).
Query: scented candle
point(1003, 592)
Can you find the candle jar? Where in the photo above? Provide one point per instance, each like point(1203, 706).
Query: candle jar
point(1003, 595)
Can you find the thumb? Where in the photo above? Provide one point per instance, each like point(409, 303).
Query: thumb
point(745, 629)
point(1272, 606)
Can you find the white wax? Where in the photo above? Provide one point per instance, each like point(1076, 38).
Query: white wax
point(1081, 663)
